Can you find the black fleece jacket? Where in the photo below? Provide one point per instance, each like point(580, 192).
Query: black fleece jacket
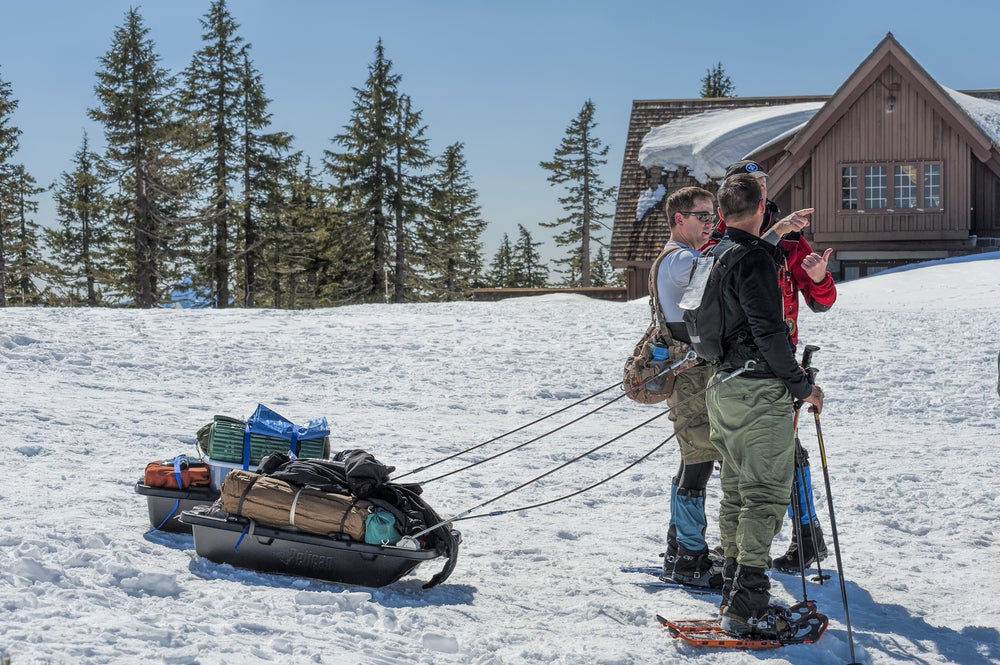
point(754, 320)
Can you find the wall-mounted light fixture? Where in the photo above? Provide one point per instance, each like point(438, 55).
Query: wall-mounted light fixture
point(890, 100)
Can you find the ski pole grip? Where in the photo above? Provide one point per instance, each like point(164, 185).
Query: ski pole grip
point(807, 355)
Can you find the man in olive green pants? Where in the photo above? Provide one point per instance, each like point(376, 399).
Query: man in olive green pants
point(751, 414)
point(753, 430)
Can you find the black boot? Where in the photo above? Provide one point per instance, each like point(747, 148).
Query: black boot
point(697, 569)
point(670, 556)
point(749, 610)
point(728, 575)
point(813, 550)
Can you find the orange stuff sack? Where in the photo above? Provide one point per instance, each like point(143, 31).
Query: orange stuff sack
point(163, 473)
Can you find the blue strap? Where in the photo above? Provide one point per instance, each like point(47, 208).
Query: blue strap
point(177, 471)
point(246, 447)
point(236, 547)
point(177, 503)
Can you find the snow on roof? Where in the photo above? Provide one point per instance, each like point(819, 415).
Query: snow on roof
point(984, 112)
point(706, 143)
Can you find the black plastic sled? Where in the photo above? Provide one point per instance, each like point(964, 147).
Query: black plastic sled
point(246, 544)
point(166, 505)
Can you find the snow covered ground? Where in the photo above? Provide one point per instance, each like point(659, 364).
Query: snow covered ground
point(908, 362)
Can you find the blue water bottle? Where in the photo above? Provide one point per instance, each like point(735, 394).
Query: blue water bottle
point(660, 358)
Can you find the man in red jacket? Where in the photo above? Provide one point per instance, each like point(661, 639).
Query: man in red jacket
point(802, 271)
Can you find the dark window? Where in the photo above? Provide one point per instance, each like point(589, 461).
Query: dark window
point(849, 188)
point(897, 187)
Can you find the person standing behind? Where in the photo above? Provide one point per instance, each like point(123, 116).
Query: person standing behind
point(751, 414)
point(691, 214)
point(801, 270)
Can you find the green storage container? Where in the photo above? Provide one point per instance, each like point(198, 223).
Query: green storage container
point(222, 439)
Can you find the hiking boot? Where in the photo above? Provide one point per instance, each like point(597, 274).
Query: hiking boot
point(813, 550)
point(748, 610)
point(697, 569)
point(728, 575)
point(773, 622)
point(670, 556)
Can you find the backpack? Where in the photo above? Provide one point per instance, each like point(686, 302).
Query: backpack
point(639, 378)
point(704, 314)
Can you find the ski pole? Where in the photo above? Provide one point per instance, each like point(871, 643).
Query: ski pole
point(836, 540)
point(796, 505)
point(806, 502)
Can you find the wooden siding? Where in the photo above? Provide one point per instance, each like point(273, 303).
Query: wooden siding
point(913, 132)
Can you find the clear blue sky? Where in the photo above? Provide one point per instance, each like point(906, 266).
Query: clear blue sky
point(504, 77)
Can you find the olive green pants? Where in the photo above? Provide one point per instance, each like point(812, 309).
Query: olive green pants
point(690, 417)
point(751, 425)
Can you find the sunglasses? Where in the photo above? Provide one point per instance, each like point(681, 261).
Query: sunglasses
point(703, 217)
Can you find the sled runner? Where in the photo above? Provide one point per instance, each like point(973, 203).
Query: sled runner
point(246, 544)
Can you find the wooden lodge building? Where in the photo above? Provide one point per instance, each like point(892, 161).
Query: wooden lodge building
point(898, 169)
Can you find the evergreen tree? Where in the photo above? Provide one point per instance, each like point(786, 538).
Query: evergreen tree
point(77, 245)
point(601, 274)
point(9, 143)
point(576, 165)
point(263, 163)
point(501, 270)
point(307, 246)
point(410, 157)
point(23, 261)
point(716, 83)
point(526, 267)
point(368, 186)
point(135, 107)
point(450, 246)
point(211, 103)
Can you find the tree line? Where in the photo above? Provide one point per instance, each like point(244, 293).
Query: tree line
point(196, 197)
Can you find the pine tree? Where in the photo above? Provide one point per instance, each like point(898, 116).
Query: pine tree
point(23, 260)
point(77, 245)
point(450, 246)
point(410, 157)
point(576, 165)
point(137, 111)
point(602, 270)
point(263, 165)
point(526, 267)
point(716, 83)
point(501, 269)
point(365, 175)
point(211, 103)
point(9, 143)
point(309, 250)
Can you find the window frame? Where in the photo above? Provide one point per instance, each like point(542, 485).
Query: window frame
point(927, 185)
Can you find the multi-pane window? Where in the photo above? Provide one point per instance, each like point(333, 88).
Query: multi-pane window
point(849, 188)
point(904, 185)
point(891, 187)
point(876, 186)
point(932, 185)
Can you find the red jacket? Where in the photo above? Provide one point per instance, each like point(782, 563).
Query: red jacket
point(792, 278)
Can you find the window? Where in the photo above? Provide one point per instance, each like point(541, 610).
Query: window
point(905, 186)
point(875, 187)
point(932, 185)
point(849, 188)
point(914, 186)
